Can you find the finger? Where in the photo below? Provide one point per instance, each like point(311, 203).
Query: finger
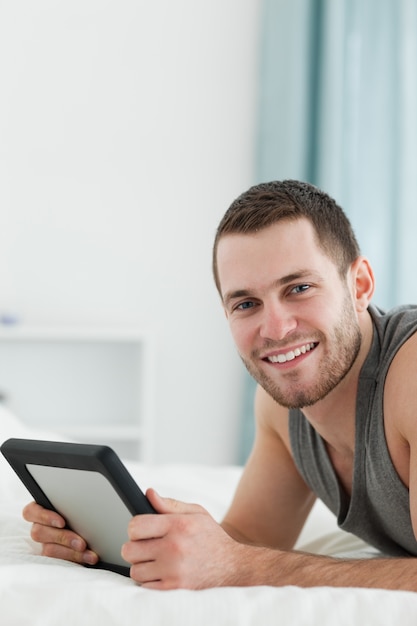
point(86, 557)
point(139, 551)
point(62, 537)
point(152, 575)
point(63, 544)
point(169, 505)
point(143, 527)
point(145, 573)
point(36, 513)
point(147, 526)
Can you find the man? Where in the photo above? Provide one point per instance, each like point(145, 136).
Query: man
point(335, 413)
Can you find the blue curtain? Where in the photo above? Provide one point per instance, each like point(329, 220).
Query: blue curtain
point(338, 108)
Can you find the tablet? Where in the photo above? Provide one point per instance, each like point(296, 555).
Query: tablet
point(88, 485)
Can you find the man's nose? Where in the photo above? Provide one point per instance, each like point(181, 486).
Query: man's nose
point(277, 322)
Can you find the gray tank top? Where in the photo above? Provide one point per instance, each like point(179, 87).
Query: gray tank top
point(378, 510)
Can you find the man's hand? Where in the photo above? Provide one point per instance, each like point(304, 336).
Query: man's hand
point(183, 547)
point(48, 529)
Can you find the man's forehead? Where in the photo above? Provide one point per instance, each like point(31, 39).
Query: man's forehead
point(271, 254)
point(288, 233)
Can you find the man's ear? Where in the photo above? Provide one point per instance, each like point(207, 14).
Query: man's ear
point(363, 283)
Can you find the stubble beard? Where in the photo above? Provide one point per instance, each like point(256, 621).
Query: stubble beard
point(345, 341)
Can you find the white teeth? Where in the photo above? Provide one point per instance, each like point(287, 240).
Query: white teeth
point(291, 355)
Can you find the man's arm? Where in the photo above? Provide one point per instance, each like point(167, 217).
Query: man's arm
point(190, 550)
point(268, 567)
point(185, 548)
point(295, 568)
point(272, 501)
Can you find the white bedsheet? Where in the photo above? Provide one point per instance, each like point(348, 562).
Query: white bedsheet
point(37, 590)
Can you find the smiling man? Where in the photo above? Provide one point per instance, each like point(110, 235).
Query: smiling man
point(335, 413)
point(294, 308)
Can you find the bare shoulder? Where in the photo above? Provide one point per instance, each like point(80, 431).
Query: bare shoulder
point(400, 395)
point(400, 411)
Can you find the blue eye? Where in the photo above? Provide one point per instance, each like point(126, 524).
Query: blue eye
point(300, 289)
point(243, 306)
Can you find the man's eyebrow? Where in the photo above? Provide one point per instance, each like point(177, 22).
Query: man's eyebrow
point(279, 282)
point(233, 295)
point(298, 275)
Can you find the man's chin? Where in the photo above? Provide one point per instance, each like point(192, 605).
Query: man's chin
point(292, 399)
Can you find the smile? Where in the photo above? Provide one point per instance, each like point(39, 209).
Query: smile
point(292, 354)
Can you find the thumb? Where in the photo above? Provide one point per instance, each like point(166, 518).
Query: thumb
point(169, 505)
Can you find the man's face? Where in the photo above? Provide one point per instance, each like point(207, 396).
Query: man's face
point(291, 315)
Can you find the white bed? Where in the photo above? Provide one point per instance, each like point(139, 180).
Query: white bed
point(37, 590)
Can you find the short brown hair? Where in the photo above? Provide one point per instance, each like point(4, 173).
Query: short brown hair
point(268, 203)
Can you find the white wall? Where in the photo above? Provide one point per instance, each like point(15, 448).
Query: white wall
point(126, 129)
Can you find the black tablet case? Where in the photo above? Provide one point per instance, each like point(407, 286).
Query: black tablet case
point(88, 485)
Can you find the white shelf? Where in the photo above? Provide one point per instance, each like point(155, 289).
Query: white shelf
point(69, 333)
point(89, 384)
